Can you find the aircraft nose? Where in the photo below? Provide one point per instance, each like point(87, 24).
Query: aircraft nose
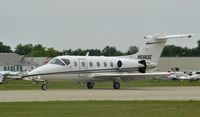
point(35, 71)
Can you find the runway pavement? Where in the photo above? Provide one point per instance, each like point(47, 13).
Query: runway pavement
point(149, 93)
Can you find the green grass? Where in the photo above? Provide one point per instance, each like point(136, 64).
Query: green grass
point(101, 109)
point(20, 85)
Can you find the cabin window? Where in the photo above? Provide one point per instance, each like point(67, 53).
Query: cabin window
point(98, 64)
point(57, 62)
point(66, 61)
point(111, 64)
point(75, 63)
point(83, 64)
point(91, 64)
point(105, 64)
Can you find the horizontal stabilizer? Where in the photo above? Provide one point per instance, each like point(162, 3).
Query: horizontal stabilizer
point(163, 36)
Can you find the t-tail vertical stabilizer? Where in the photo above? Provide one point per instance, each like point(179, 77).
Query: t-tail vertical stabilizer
point(154, 46)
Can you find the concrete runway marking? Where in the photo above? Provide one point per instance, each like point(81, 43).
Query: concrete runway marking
point(148, 93)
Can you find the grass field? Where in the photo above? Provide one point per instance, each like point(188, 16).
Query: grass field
point(101, 109)
point(20, 85)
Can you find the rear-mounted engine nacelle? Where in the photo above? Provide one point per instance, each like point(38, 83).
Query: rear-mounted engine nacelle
point(142, 69)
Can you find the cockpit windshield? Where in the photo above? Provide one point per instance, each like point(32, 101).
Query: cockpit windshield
point(57, 62)
point(66, 61)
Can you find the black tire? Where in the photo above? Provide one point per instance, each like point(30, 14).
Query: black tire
point(116, 85)
point(44, 87)
point(90, 85)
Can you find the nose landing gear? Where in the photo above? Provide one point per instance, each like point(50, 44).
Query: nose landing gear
point(44, 85)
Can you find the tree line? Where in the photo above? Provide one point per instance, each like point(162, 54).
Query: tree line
point(177, 51)
point(39, 50)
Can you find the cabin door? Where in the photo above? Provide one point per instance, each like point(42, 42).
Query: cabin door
point(83, 68)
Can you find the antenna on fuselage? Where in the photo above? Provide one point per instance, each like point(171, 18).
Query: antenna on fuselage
point(87, 54)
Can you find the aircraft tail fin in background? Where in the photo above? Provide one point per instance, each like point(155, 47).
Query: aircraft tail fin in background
point(154, 46)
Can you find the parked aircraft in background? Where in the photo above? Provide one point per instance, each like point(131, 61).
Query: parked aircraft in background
point(195, 75)
point(9, 75)
point(180, 75)
point(90, 69)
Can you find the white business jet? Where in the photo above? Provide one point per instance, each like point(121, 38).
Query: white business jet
point(90, 69)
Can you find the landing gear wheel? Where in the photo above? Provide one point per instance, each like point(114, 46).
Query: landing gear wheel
point(90, 85)
point(116, 85)
point(44, 87)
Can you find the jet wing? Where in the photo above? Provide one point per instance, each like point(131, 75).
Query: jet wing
point(130, 76)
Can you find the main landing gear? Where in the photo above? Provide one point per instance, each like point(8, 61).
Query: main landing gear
point(116, 85)
point(90, 85)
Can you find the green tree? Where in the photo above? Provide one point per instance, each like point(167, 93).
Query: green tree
point(94, 52)
point(23, 49)
point(38, 51)
point(111, 51)
point(132, 50)
point(172, 51)
point(197, 49)
point(79, 52)
point(5, 48)
point(67, 52)
point(51, 52)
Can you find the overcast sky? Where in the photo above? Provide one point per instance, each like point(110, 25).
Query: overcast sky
point(65, 24)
